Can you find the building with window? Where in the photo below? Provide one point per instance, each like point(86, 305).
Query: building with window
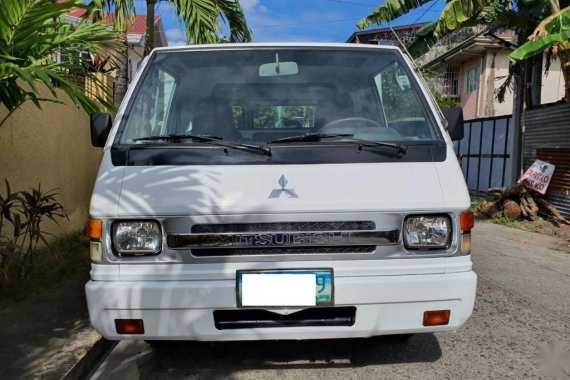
point(469, 66)
point(477, 67)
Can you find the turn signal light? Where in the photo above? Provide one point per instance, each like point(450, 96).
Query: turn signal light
point(129, 326)
point(94, 229)
point(437, 317)
point(466, 220)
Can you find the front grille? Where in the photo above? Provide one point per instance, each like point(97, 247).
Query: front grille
point(255, 318)
point(217, 252)
point(284, 227)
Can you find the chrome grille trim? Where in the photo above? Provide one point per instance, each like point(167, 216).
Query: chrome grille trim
point(284, 227)
point(299, 251)
point(282, 239)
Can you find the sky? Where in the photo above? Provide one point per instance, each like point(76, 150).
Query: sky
point(299, 20)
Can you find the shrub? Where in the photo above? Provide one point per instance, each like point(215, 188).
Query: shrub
point(22, 217)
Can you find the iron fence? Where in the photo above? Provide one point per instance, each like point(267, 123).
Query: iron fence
point(485, 153)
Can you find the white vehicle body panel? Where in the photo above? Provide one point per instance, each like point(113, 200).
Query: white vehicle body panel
point(176, 298)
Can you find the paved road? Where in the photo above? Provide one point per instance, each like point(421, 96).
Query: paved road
point(523, 304)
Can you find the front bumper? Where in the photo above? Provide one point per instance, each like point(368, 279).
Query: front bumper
point(183, 310)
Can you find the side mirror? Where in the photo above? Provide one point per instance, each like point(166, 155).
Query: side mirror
point(455, 127)
point(101, 124)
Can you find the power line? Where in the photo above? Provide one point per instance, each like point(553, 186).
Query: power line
point(304, 23)
point(352, 3)
point(335, 21)
point(426, 11)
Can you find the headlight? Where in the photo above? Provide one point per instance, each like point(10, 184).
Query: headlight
point(137, 237)
point(427, 232)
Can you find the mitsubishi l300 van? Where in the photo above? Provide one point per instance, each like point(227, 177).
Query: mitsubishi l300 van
point(278, 191)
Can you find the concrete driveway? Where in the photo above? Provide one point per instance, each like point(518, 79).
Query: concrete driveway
point(521, 321)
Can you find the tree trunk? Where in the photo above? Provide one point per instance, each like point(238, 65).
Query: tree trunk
point(518, 110)
point(149, 36)
point(122, 78)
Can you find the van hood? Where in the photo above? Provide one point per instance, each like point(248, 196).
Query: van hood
point(277, 189)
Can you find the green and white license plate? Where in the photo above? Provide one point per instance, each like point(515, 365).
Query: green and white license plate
point(285, 288)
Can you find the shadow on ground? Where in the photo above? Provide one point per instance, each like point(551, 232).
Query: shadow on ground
point(220, 360)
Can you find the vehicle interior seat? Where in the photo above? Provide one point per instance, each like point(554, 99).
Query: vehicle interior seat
point(214, 117)
point(333, 108)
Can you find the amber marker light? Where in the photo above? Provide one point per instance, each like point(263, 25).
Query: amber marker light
point(466, 220)
point(129, 326)
point(437, 317)
point(94, 229)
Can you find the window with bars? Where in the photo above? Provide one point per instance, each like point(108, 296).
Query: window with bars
point(472, 81)
point(451, 81)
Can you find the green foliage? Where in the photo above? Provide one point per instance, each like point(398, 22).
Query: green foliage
point(202, 20)
point(445, 102)
point(61, 259)
point(501, 220)
point(460, 14)
point(33, 34)
point(554, 30)
point(279, 116)
point(22, 215)
point(122, 11)
point(389, 11)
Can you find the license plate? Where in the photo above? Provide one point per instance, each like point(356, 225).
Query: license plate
point(284, 288)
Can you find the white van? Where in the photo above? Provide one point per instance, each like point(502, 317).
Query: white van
point(278, 191)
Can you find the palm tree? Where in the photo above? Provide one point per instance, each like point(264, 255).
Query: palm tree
point(121, 12)
point(202, 19)
point(550, 20)
point(37, 47)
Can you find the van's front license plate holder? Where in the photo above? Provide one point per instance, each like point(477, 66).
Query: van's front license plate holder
point(285, 288)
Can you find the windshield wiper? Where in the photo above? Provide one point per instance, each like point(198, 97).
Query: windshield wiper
point(207, 139)
point(402, 149)
point(310, 137)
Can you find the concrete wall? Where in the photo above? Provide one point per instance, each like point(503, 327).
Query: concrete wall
point(494, 71)
point(552, 83)
point(51, 147)
point(469, 100)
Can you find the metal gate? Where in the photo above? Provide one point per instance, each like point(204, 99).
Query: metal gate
point(485, 153)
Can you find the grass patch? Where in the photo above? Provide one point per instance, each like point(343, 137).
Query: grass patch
point(52, 264)
point(502, 221)
point(476, 201)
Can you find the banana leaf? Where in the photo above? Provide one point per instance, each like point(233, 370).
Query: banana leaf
point(553, 31)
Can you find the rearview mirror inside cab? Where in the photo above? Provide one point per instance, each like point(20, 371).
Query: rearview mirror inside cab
point(276, 69)
point(454, 118)
point(101, 124)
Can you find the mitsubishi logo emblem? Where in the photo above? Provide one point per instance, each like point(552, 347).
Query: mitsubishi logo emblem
point(276, 193)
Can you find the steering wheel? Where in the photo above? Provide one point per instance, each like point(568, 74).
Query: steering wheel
point(364, 120)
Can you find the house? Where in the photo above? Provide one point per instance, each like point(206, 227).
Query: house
point(469, 66)
point(397, 35)
point(473, 71)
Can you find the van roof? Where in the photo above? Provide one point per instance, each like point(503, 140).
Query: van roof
point(263, 45)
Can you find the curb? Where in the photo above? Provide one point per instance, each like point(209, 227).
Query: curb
point(83, 368)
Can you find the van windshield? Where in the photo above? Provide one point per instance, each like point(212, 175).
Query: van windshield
point(270, 96)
